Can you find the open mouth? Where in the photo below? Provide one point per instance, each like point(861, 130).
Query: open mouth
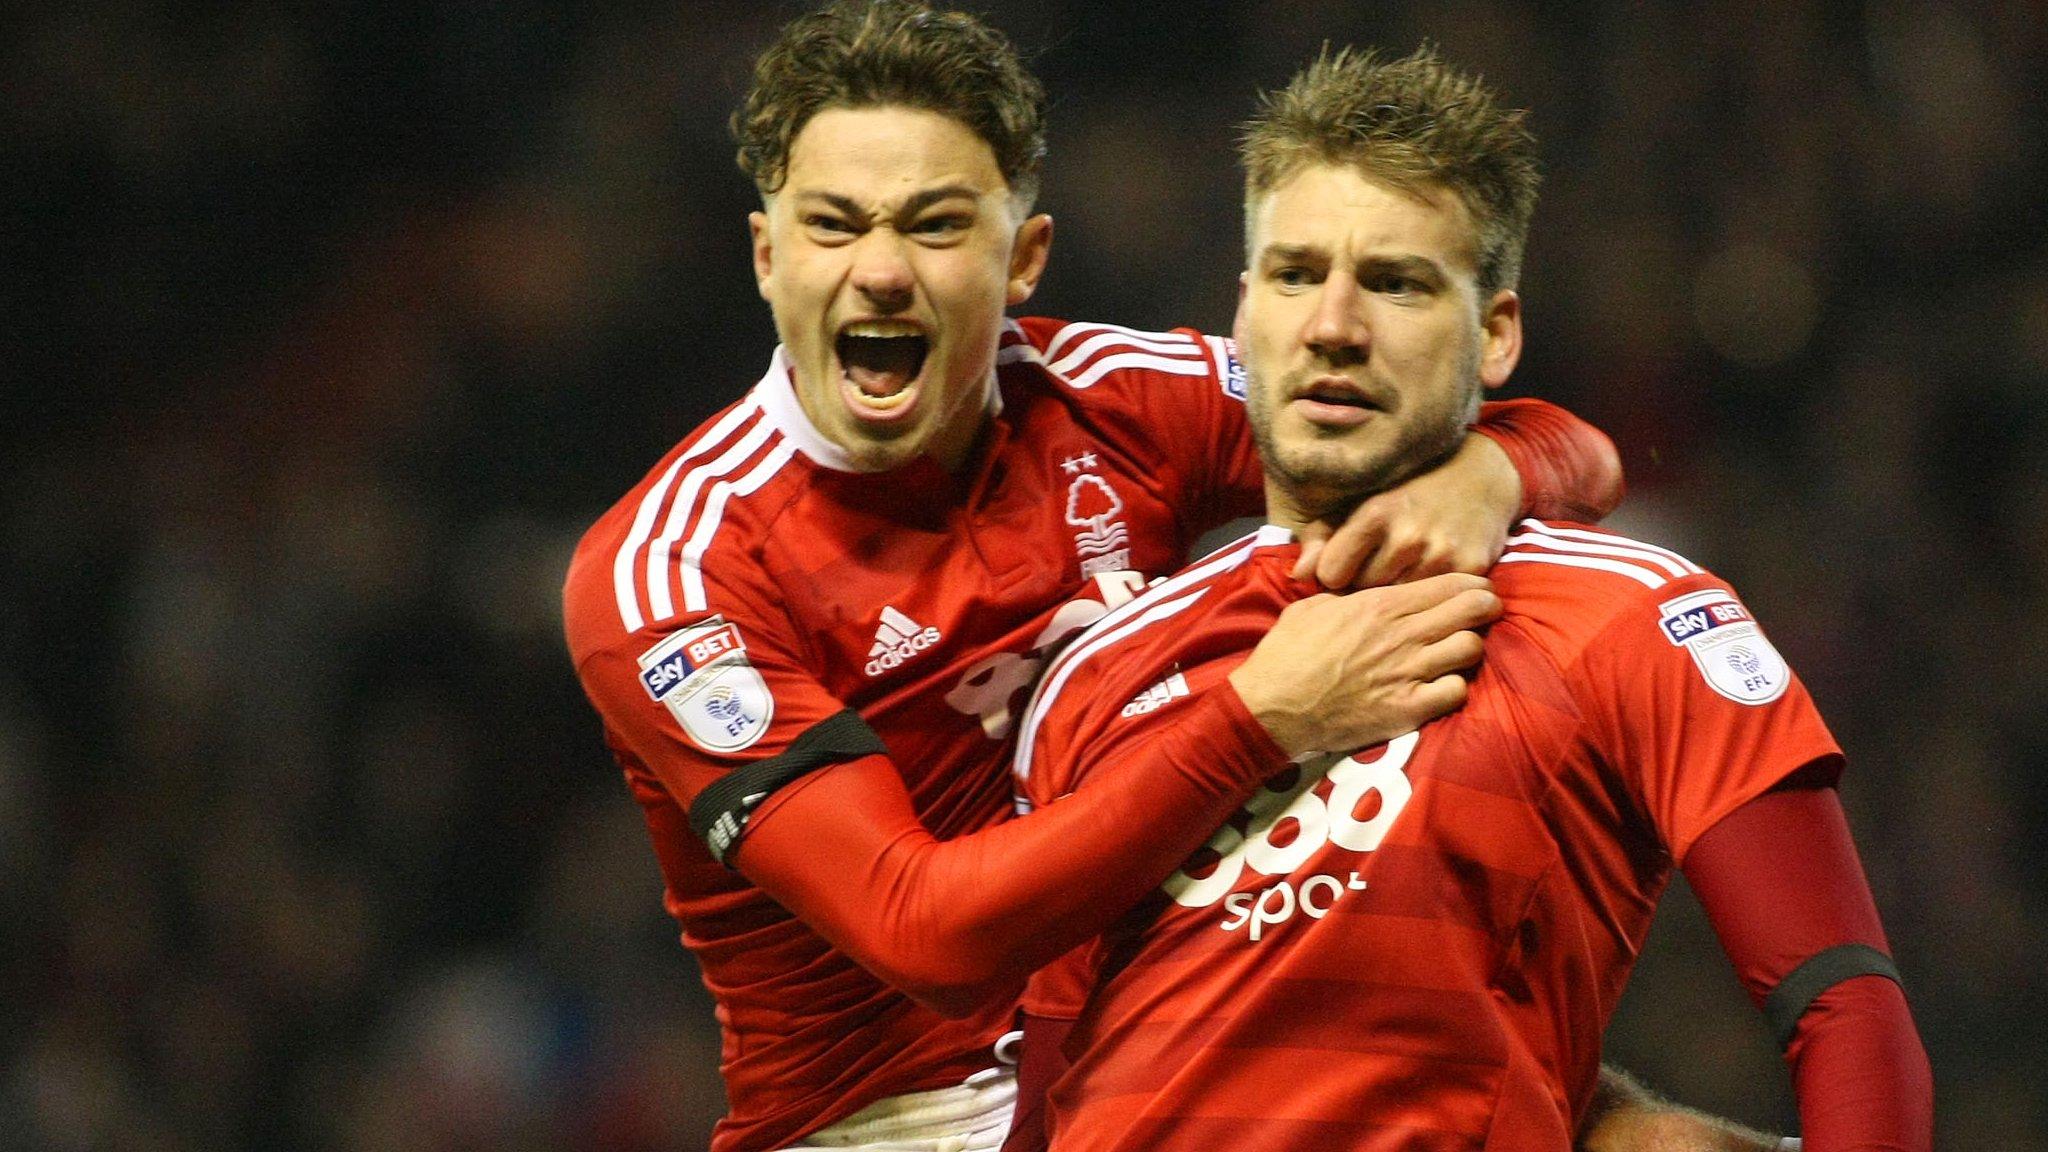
point(882, 360)
point(1336, 402)
point(1339, 393)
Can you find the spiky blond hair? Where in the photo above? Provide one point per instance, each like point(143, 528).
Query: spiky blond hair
point(1408, 123)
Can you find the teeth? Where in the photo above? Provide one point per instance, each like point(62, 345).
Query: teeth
point(881, 328)
point(884, 403)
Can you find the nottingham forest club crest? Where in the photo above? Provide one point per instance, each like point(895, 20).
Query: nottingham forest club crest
point(1094, 507)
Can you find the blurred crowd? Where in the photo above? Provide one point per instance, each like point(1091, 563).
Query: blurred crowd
point(325, 329)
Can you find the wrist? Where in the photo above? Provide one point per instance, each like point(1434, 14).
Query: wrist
point(1501, 476)
point(1250, 741)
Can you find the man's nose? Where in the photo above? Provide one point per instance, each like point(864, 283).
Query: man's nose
point(1336, 327)
point(880, 271)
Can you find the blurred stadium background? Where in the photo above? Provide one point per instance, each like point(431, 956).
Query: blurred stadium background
point(327, 327)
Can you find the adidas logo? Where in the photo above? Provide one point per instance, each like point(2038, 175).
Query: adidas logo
point(898, 639)
point(1172, 688)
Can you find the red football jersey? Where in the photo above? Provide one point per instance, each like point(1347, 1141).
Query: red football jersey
point(1421, 948)
point(752, 587)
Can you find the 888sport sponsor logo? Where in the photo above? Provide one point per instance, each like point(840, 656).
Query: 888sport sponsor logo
point(1281, 829)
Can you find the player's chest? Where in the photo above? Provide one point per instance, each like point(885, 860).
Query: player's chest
point(915, 591)
point(1451, 824)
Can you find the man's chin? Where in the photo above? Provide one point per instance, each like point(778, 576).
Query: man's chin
point(880, 455)
point(1328, 480)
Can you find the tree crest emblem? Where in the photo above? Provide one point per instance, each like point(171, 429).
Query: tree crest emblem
point(1093, 506)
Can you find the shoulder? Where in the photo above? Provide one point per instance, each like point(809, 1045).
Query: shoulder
point(1084, 355)
point(1578, 589)
point(1574, 581)
point(641, 563)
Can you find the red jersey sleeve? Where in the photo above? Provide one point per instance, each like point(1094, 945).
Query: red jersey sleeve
point(955, 922)
point(1569, 469)
point(717, 684)
point(1695, 709)
point(1781, 883)
point(792, 788)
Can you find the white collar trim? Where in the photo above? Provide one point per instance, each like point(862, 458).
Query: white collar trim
point(776, 391)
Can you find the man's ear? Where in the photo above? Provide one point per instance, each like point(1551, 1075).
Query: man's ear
point(1501, 347)
point(764, 251)
point(1028, 256)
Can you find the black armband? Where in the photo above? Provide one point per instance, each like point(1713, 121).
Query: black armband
point(1818, 973)
point(721, 810)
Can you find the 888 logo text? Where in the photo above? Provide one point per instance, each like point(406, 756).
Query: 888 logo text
point(1264, 845)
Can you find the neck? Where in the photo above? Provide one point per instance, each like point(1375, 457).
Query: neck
point(1294, 507)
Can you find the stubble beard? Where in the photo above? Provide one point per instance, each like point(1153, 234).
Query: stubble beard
point(1327, 476)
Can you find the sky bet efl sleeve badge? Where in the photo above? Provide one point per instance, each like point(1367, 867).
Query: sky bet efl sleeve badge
point(1727, 645)
point(702, 674)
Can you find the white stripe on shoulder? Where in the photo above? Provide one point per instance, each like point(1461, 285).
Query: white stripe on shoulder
point(660, 602)
point(650, 507)
point(714, 511)
point(1636, 572)
point(1171, 345)
point(1605, 543)
point(1162, 601)
point(1081, 330)
point(1198, 366)
point(1646, 564)
point(1092, 641)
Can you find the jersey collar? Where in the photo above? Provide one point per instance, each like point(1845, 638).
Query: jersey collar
point(1272, 536)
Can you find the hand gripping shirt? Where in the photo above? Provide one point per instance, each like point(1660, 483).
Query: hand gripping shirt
point(755, 609)
point(1420, 947)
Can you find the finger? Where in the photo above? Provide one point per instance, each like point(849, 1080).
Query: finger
point(1438, 697)
point(1305, 565)
point(1394, 563)
point(1312, 536)
point(1353, 541)
point(1314, 532)
point(1378, 609)
point(1467, 608)
point(1421, 595)
point(1436, 558)
point(1473, 555)
point(1450, 655)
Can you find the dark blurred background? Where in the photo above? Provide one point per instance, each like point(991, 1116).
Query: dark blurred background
point(325, 328)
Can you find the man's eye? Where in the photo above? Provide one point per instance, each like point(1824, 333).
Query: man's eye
point(1293, 277)
point(1398, 286)
point(941, 225)
point(831, 224)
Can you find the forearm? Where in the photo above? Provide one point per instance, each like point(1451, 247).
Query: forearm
point(1781, 883)
point(1860, 1071)
point(956, 922)
point(1569, 469)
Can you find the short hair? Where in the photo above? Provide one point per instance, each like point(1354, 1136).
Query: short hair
point(1407, 123)
point(876, 53)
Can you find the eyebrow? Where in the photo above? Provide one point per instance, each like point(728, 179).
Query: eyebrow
point(1419, 266)
point(1407, 265)
point(1292, 252)
point(911, 207)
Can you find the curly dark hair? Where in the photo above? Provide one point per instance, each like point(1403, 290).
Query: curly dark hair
point(869, 53)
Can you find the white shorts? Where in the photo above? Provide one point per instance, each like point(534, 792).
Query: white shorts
point(971, 1117)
